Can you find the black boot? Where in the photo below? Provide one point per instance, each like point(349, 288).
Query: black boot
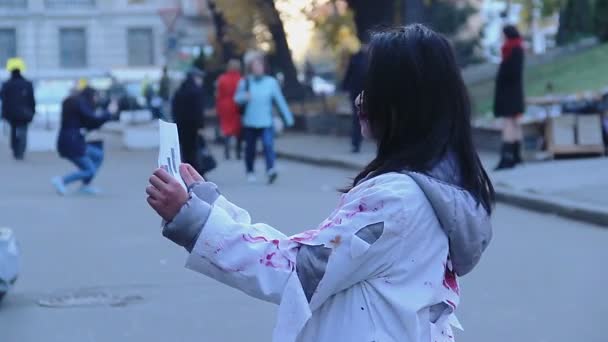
point(507, 157)
point(517, 153)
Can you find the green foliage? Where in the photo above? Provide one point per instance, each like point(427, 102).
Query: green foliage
point(575, 21)
point(447, 16)
point(549, 8)
point(601, 19)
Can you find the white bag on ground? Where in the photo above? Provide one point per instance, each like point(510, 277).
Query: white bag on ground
point(9, 261)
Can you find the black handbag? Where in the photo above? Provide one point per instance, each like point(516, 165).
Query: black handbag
point(206, 161)
point(243, 107)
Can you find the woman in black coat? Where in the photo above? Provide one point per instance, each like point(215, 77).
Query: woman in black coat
point(188, 108)
point(509, 97)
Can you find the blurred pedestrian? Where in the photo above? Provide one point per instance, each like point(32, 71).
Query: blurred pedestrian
point(353, 83)
point(147, 91)
point(164, 85)
point(188, 111)
point(18, 106)
point(154, 103)
point(164, 90)
point(228, 112)
point(78, 114)
point(384, 265)
point(509, 97)
point(258, 92)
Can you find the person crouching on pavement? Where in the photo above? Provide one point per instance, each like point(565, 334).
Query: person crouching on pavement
point(78, 114)
point(258, 92)
point(384, 266)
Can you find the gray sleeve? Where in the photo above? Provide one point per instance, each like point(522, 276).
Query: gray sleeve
point(206, 191)
point(185, 228)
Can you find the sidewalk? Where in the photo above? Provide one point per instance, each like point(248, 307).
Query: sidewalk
point(576, 189)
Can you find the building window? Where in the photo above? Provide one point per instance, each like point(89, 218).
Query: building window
point(72, 48)
point(70, 3)
point(140, 46)
point(8, 45)
point(8, 4)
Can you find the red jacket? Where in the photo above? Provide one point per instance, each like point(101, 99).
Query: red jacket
point(227, 109)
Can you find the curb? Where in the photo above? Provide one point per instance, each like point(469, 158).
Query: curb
point(565, 208)
point(322, 162)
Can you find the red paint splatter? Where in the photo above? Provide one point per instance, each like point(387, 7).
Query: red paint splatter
point(336, 221)
point(336, 241)
point(305, 236)
point(361, 208)
point(254, 239)
point(269, 256)
point(450, 282)
point(276, 243)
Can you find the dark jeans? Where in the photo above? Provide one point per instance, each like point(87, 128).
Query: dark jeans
point(18, 139)
point(251, 136)
point(188, 135)
point(229, 142)
point(88, 165)
point(356, 137)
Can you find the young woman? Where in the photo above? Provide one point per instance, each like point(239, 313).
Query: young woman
point(258, 92)
point(384, 265)
point(509, 97)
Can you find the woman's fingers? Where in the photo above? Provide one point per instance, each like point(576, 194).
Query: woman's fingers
point(186, 175)
point(197, 176)
point(158, 183)
point(190, 175)
point(155, 204)
point(164, 176)
point(153, 192)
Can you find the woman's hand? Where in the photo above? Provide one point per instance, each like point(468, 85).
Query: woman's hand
point(165, 195)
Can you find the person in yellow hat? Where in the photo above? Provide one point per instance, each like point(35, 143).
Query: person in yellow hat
point(18, 105)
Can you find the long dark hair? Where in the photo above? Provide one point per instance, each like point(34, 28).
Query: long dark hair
point(418, 108)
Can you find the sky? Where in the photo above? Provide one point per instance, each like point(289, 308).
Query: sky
point(299, 29)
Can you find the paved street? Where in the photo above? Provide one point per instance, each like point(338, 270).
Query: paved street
point(542, 278)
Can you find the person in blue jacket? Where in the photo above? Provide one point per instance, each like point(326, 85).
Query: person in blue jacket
point(257, 93)
point(78, 114)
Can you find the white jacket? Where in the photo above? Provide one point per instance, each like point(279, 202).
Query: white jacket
point(377, 269)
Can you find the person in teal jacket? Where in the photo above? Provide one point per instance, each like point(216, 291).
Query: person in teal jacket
point(257, 93)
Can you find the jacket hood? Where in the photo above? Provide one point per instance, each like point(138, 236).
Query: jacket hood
point(465, 221)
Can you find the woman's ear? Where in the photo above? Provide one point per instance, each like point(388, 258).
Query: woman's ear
point(366, 131)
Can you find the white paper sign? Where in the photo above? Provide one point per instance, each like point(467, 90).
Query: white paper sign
point(169, 157)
